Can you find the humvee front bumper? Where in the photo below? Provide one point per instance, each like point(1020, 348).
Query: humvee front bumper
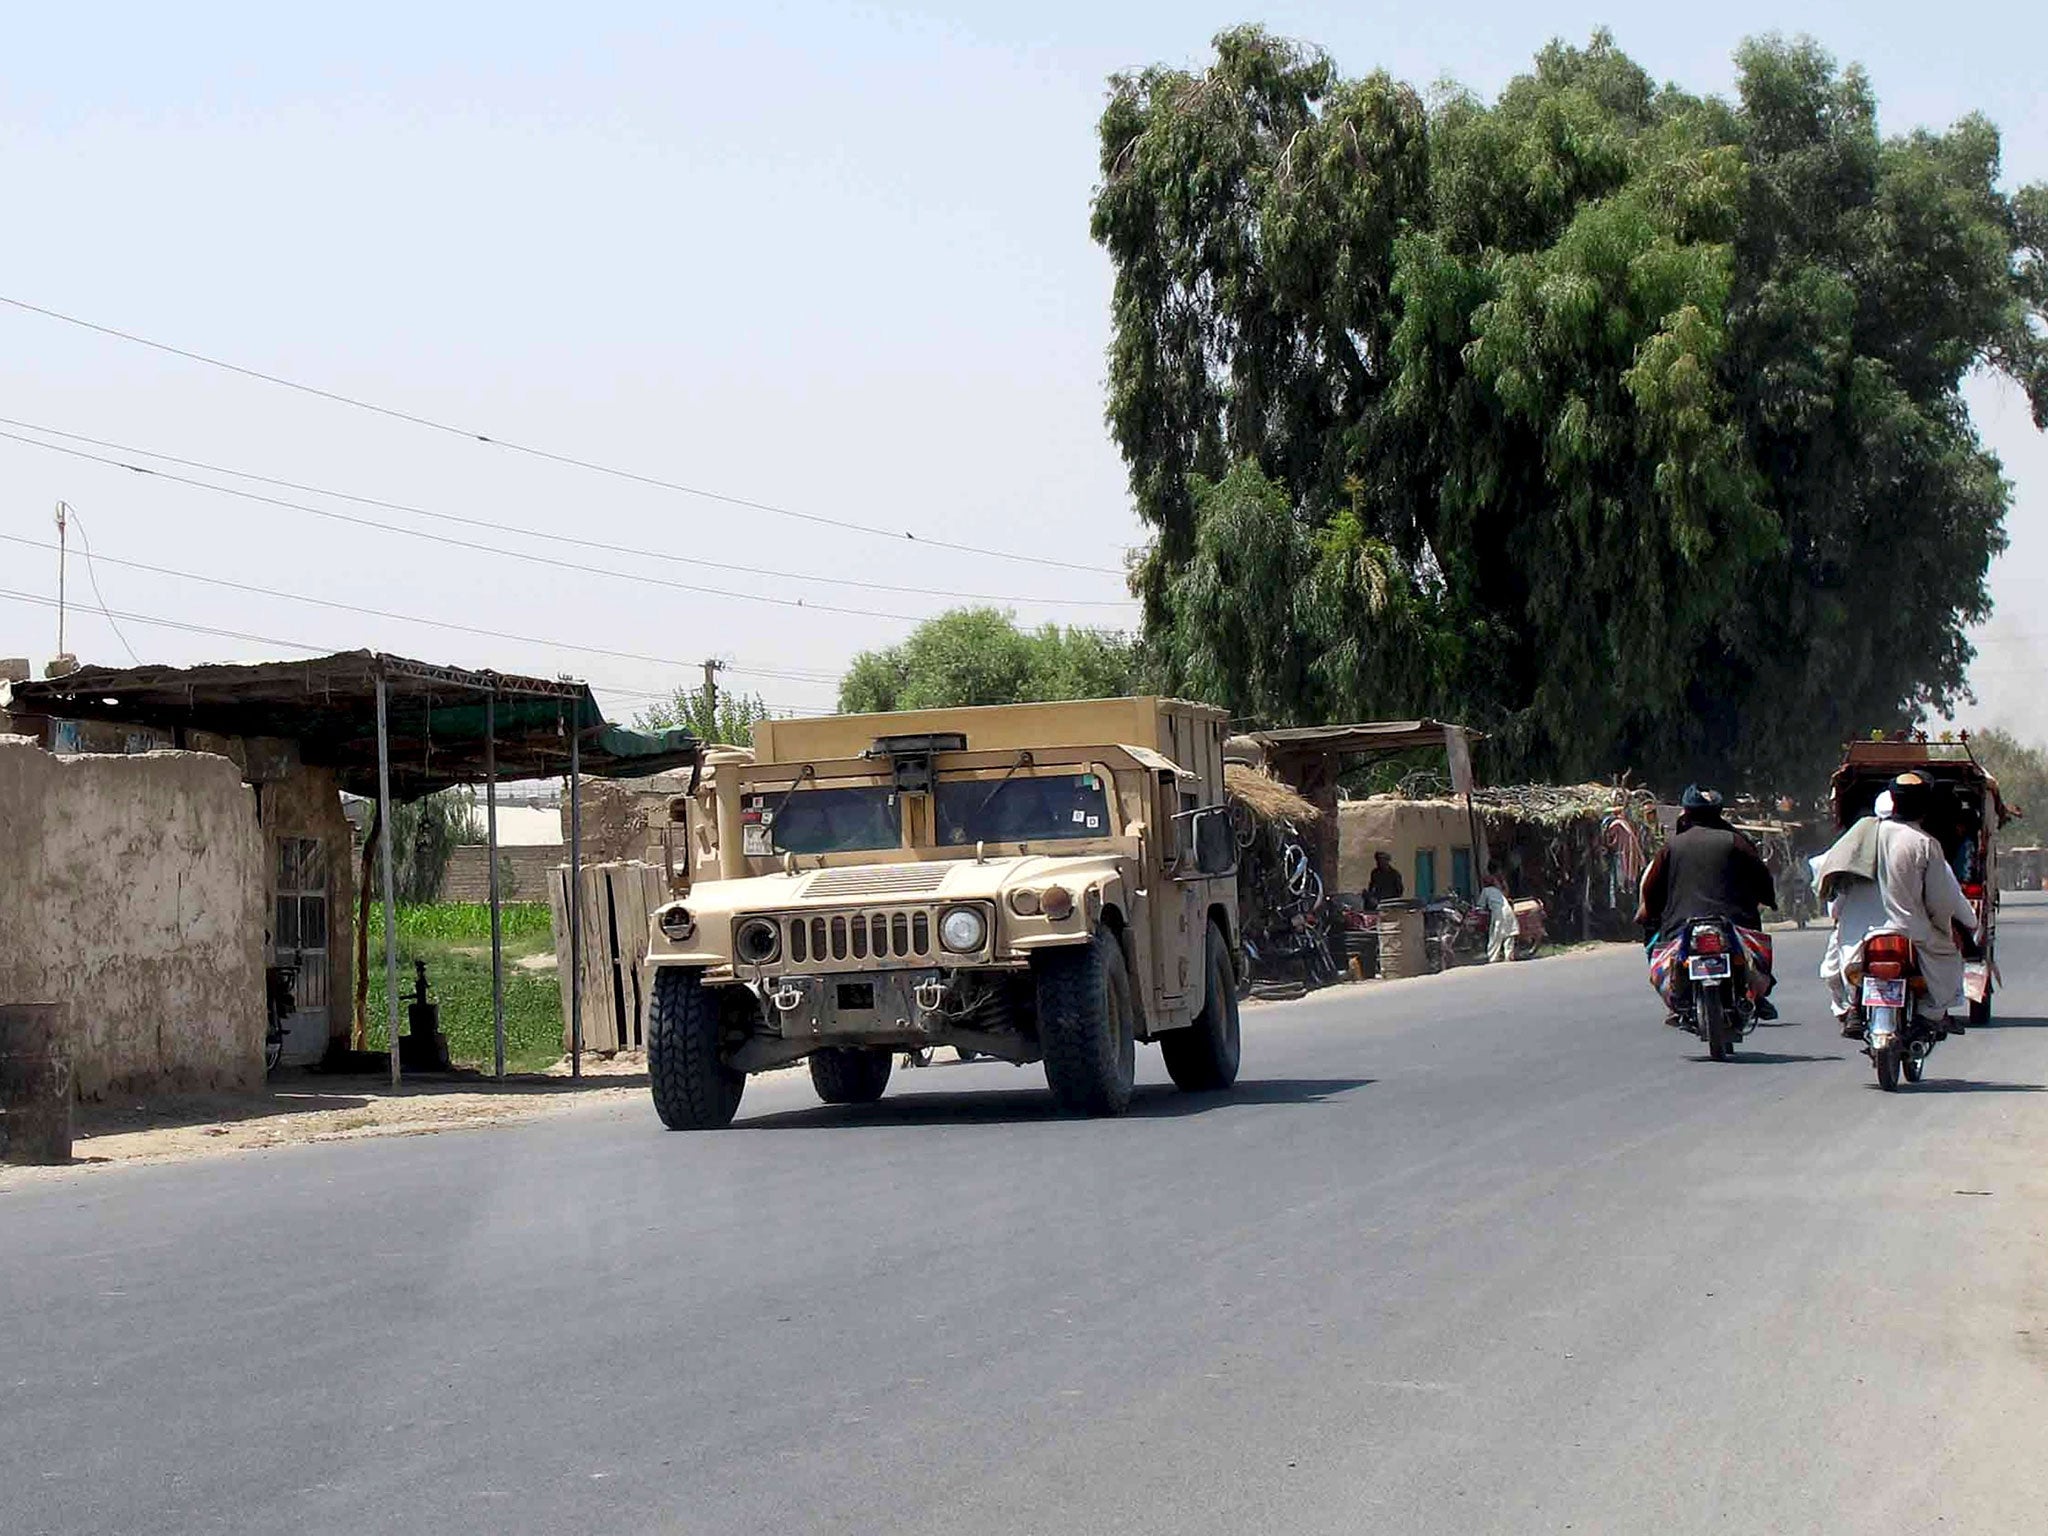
point(880, 1006)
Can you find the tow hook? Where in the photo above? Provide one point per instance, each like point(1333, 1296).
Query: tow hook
point(930, 994)
point(787, 998)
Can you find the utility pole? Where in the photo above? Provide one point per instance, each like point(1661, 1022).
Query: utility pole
point(62, 513)
point(712, 667)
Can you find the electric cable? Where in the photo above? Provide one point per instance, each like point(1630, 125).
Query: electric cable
point(550, 537)
point(569, 460)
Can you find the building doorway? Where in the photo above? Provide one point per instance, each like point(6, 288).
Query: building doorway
point(298, 937)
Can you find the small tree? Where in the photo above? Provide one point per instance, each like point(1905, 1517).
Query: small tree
point(424, 834)
point(728, 720)
point(2022, 774)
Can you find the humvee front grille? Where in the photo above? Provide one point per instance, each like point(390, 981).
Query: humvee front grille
point(843, 936)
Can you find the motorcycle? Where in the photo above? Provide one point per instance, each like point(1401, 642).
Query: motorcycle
point(1714, 986)
point(1453, 930)
point(1459, 932)
point(1882, 988)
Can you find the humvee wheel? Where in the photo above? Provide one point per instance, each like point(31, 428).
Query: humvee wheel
point(1085, 1025)
point(694, 1090)
point(1203, 1057)
point(850, 1074)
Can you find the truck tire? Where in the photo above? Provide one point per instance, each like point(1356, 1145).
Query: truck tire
point(1203, 1057)
point(1086, 1029)
point(850, 1074)
point(694, 1090)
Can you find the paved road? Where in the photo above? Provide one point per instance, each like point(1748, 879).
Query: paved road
point(1494, 1252)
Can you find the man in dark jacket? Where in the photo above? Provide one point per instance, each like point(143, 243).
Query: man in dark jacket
point(1711, 870)
point(1385, 884)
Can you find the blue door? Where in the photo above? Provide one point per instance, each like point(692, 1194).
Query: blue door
point(1425, 873)
point(1461, 874)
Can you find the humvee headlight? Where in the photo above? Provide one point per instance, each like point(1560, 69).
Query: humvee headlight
point(1057, 903)
point(1024, 903)
point(677, 924)
point(757, 941)
point(963, 930)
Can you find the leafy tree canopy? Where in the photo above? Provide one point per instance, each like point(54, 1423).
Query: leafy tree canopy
point(728, 718)
point(1621, 422)
point(980, 656)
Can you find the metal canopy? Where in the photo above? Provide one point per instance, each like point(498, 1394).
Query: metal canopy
point(395, 729)
point(441, 720)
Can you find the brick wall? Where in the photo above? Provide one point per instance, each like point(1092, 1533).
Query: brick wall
point(529, 868)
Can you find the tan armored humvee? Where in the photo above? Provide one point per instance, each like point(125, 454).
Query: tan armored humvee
point(1035, 882)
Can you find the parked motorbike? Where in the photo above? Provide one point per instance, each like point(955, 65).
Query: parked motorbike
point(1882, 989)
point(1459, 932)
point(1714, 986)
point(1454, 931)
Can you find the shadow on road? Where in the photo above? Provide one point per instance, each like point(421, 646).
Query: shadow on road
point(1998, 1023)
point(1012, 1106)
point(1746, 1058)
point(1966, 1085)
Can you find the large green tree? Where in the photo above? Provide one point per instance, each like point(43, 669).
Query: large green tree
point(1622, 422)
point(980, 656)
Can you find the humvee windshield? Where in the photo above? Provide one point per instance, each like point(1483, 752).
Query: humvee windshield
point(1024, 809)
point(822, 820)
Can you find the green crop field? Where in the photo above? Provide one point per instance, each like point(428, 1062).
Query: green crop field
point(454, 938)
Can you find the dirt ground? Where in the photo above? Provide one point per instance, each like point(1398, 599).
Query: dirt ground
point(297, 1108)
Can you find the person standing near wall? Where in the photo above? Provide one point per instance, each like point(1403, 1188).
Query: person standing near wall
point(1493, 895)
point(1385, 883)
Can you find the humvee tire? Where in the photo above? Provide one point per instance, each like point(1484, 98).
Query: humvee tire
point(1086, 1030)
point(693, 1089)
point(1203, 1057)
point(850, 1074)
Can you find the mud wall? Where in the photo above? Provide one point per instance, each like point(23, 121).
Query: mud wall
point(1404, 829)
point(133, 890)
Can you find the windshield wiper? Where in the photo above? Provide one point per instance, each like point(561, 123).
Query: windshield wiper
point(1024, 760)
point(808, 773)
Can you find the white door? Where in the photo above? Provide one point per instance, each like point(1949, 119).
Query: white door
point(298, 936)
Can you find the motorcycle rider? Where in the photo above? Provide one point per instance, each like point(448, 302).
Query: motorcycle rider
point(1710, 870)
point(1915, 893)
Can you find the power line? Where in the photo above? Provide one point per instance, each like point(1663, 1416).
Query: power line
point(556, 538)
point(93, 575)
point(547, 454)
point(153, 621)
point(403, 618)
point(470, 544)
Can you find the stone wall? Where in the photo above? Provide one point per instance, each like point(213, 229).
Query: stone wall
point(526, 873)
point(132, 889)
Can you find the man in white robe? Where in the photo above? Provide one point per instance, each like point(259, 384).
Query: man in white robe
point(1915, 893)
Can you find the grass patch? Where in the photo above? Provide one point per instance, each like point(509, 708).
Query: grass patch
point(470, 922)
point(454, 939)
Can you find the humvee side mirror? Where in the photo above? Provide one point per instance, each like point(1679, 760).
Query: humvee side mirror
point(1214, 840)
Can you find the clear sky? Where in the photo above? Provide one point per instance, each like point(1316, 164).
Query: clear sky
point(832, 258)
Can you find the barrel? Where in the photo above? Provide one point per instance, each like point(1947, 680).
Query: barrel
point(35, 1085)
point(1402, 952)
